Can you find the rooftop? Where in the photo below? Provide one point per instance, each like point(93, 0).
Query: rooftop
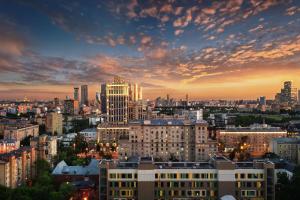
point(91, 169)
point(165, 122)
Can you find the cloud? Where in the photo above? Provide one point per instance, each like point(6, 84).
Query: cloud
point(256, 28)
point(185, 20)
point(167, 8)
point(178, 32)
point(152, 12)
point(145, 40)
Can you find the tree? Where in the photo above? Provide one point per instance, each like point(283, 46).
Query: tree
point(288, 188)
point(67, 190)
point(5, 192)
point(80, 144)
point(26, 141)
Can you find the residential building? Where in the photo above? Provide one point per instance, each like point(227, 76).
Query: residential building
point(286, 148)
point(149, 180)
point(19, 167)
point(46, 147)
point(162, 138)
point(54, 123)
point(90, 134)
point(9, 145)
point(84, 178)
point(19, 132)
point(4, 174)
point(84, 95)
point(256, 137)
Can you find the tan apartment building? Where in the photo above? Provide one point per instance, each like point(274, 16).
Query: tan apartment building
point(19, 132)
point(54, 123)
point(163, 139)
point(256, 137)
point(286, 148)
point(19, 166)
point(46, 147)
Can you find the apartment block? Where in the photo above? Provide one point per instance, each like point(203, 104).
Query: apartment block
point(149, 180)
point(166, 139)
point(286, 148)
point(257, 137)
point(20, 132)
point(46, 147)
point(19, 167)
point(54, 123)
point(8, 145)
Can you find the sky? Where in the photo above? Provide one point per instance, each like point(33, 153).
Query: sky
point(208, 49)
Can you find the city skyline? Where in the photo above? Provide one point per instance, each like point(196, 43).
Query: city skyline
point(210, 50)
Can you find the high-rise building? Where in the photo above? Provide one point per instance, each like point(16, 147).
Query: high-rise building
point(76, 93)
point(71, 107)
point(298, 96)
point(288, 95)
point(103, 98)
point(135, 92)
point(262, 100)
point(54, 123)
point(56, 101)
point(117, 97)
point(84, 95)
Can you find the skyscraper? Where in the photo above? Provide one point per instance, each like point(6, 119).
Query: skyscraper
point(76, 93)
point(84, 95)
point(288, 94)
point(103, 98)
point(262, 100)
point(117, 97)
point(298, 96)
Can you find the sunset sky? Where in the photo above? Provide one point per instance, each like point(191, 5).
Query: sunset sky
point(235, 49)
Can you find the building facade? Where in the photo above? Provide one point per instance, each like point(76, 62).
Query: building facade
point(46, 147)
point(76, 93)
point(54, 123)
point(71, 107)
point(286, 148)
point(256, 137)
point(19, 167)
point(84, 95)
point(161, 138)
point(168, 139)
point(149, 180)
point(20, 132)
point(121, 101)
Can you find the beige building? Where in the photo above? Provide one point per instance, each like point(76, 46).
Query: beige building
point(149, 180)
point(161, 138)
point(46, 147)
point(4, 173)
point(20, 132)
point(121, 101)
point(286, 148)
point(54, 123)
point(18, 166)
point(256, 138)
